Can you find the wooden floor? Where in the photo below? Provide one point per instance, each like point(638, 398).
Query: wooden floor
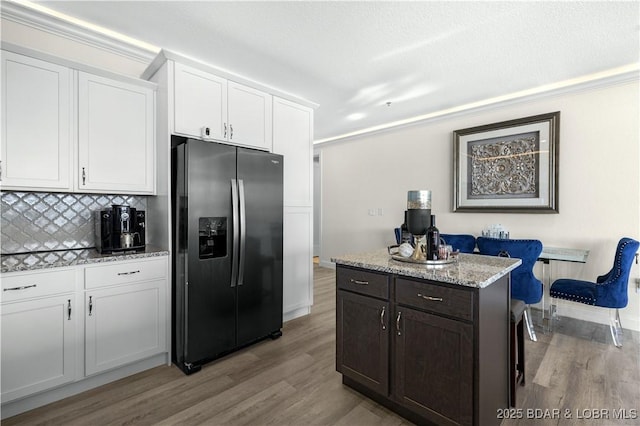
point(292, 381)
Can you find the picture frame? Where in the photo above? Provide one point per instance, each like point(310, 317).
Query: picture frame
point(511, 166)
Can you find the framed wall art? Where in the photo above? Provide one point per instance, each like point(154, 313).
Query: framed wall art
point(510, 166)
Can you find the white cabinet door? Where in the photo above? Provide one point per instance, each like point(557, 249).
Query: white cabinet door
point(38, 345)
point(297, 261)
point(36, 124)
point(293, 138)
point(116, 136)
point(249, 117)
point(200, 101)
point(124, 324)
point(207, 106)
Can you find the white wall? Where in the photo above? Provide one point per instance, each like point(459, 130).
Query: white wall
point(599, 184)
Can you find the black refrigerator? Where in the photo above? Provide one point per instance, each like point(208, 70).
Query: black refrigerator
point(227, 209)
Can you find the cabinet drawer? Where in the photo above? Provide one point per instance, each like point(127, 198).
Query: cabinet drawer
point(19, 286)
point(435, 298)
point(124, 272)
point(363, 282)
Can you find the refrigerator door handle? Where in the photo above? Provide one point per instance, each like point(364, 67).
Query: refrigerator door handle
point(243, 233)
point(236, 232)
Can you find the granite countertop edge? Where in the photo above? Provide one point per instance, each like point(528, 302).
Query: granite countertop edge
point(91, 257)
point(375, 261)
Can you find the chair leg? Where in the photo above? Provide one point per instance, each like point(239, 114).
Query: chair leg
point(516, 359)
point(513, 366)
point(553, 315)
point(529, 321)
point(616, 327)
point(520, 364)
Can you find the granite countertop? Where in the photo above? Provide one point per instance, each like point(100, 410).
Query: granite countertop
point(471, 270)
point(56, 259)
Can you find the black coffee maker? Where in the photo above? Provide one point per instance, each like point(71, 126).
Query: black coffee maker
point(418, 219)
point(120, 228)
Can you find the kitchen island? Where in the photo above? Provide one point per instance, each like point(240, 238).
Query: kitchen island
point(432, 344)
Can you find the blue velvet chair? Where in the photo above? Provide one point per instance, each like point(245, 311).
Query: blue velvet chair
point(609, 291)
point(463, 242)
point(524, 285)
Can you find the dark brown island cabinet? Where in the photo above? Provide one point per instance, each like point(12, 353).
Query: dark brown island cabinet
point(434, 352)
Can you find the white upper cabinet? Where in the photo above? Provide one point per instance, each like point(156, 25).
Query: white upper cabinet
point(249, 113)
point(36, 124)
point(292, 137)
point(200, 101)
point(210, 107)
point(115, 136)
point(68, 130)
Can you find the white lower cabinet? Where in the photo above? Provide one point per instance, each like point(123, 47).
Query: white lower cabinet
point(125, 305)
point(38, 345)
point(122, 309)
point(124, 324)
point(39, 323)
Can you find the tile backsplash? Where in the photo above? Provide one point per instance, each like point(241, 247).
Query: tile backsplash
point(41, 221)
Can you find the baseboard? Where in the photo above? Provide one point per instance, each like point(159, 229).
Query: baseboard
point(22, 405)
point(327, 264)
point(296, 313)
point(597, 314)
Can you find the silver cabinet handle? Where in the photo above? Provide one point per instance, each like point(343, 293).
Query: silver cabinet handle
point(20, 288)
point(231, 131)
point(225, 130)
point(434, 299)
point(1, 178)
point(398, 324)
point(128, 273)
point(384, 327)
point(84, 176)
point(90, 305)
point(358, 282)
point(68, 309)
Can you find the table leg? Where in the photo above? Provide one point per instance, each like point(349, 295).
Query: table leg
point(546, 281)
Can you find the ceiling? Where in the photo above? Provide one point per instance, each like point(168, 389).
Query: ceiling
point(354, 58)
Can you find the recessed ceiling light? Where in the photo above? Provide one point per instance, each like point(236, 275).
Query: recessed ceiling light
point(355, 116)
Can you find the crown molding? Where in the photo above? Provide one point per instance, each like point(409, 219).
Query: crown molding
point(27, 16)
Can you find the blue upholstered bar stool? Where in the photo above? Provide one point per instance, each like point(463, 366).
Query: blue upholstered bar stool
point(609, 291)
point(524, 285)
point(464, 242)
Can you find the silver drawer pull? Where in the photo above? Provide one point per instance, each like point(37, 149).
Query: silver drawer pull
point(434, 299)
point(398, 324)
point(128, 273)
point(20, 288)
point(359, 282)
point(384, 327)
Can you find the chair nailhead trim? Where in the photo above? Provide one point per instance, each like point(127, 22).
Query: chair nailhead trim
point(574, 298)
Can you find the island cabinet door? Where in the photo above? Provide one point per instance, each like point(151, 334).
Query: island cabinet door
point(362, 340)
point(433, 368)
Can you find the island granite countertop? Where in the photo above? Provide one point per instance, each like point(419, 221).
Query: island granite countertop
point(56, 259)
point(470, 270)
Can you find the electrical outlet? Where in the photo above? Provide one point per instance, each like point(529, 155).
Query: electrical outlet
point(638, 285)
point(372, 212)
point(380, 211)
